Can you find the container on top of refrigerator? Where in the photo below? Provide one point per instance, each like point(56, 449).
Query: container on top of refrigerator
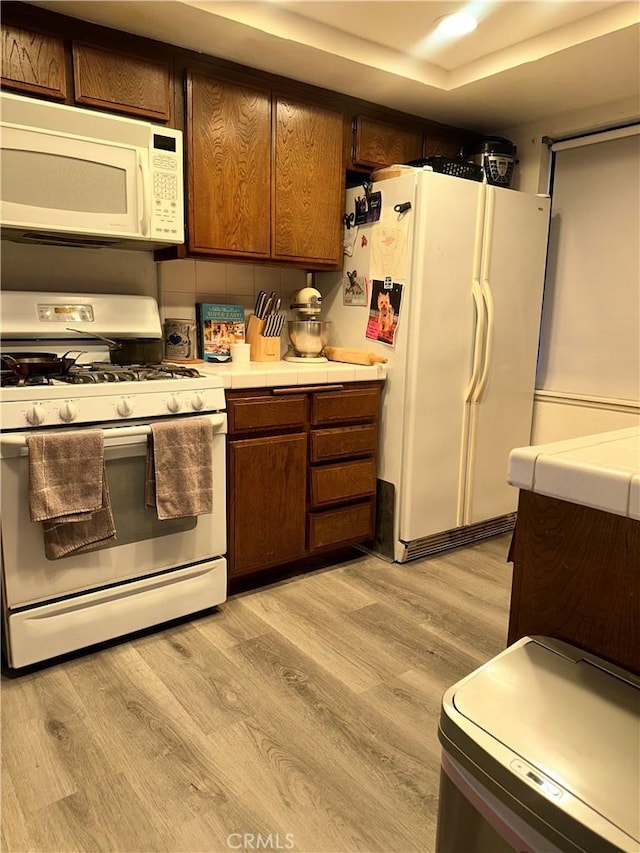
point(496, 155)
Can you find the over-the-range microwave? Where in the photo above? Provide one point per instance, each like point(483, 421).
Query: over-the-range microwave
point(75, 177)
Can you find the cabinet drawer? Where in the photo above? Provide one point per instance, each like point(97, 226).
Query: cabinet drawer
point(333, 483)
point(338, 443)
point(346, 525)
point(254, 413)
point(340, 406)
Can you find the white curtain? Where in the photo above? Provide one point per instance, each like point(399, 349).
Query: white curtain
point(590, 338)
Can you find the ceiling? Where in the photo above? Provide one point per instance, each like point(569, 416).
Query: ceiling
point(527, 59)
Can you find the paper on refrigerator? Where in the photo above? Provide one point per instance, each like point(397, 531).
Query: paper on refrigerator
point(389, 241)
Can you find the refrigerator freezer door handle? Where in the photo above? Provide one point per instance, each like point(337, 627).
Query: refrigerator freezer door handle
point(488, 350)
point(476, 292)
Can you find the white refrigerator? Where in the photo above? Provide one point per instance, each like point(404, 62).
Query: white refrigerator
point(460, 381)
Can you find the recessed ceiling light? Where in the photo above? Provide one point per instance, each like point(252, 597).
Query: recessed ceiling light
point(457, 25)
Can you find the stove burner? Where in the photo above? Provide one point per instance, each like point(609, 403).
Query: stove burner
point(104, 371)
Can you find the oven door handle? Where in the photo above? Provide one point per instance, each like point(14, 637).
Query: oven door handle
point(20, 439)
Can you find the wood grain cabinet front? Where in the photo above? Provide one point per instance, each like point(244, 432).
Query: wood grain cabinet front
point(295, 487)
point(345, 481)
point(33, 63)
point(267, 484)
point(120, 82)
point(265, 175)
point(228, 168)
point(307, 182)
point(376, 143)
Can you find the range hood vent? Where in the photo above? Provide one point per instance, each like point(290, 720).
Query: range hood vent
point(42, 238)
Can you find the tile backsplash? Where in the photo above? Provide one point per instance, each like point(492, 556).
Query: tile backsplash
point(183, 283)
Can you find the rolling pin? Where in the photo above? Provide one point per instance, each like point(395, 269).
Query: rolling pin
point(353, 356)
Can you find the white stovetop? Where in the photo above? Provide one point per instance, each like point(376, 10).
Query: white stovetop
point(600, 471)
point(270, 374)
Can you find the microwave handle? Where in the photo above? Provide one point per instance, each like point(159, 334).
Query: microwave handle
point(144, 190)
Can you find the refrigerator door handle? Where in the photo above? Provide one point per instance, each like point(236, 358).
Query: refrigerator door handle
point(488, 350)
point(476, 292)
point(487, 243)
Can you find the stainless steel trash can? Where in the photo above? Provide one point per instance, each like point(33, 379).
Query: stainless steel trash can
point(541, 752)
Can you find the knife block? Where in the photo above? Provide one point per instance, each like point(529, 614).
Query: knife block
point(262, 349)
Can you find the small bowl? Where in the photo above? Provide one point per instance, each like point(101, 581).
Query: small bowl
point(308, 337)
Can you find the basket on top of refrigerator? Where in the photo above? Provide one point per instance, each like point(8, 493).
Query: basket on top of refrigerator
point(496, 156)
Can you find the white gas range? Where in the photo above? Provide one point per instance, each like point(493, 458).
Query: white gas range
point(154, 570)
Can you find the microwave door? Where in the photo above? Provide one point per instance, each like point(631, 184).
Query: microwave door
point(70, 184)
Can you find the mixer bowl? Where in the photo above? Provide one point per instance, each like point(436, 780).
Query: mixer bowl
point(308, 337)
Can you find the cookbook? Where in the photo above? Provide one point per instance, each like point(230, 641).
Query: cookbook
point(219, 326)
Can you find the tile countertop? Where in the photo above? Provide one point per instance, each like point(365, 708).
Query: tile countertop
point(600, 471)
point(271, 374)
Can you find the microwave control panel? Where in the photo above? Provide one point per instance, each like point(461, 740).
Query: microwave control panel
point(167, 214)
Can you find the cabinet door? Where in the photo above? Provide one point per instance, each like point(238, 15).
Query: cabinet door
point(229, 168)
point(116, 81)
point(267, 495)
point(308, 183)
point(33, 63)
point(378, 144)
point(447, 146)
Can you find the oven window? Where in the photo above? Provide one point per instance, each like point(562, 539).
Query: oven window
point(133, 520)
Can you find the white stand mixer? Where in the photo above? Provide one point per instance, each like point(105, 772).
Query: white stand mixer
point(308, 335)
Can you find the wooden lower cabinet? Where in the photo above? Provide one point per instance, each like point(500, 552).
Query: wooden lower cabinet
point(576, 578)
point(267, 478)
point(301, 473)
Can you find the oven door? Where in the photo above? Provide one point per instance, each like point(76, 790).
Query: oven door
point(144, 545)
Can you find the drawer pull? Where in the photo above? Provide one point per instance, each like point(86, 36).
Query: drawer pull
point(305, 389)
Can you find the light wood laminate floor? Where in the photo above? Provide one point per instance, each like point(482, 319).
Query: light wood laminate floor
point(305, 713)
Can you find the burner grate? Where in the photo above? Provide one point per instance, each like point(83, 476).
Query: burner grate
point(9, 379)
point(104, 371)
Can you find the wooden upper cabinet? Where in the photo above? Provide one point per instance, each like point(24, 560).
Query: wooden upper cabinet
point(447, 146)
point(379, 144)
point(33, 63)
point(308, 182)
point(228, 168)
point(120, 82)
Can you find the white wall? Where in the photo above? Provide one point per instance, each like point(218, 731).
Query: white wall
point(556, 418)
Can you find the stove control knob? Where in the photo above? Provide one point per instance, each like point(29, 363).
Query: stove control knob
point(197, 402)
point(174, 405)
point(36, 415)
point(124, 408)
point(68, 413)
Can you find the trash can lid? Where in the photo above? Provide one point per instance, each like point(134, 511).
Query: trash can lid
point(562, 721)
